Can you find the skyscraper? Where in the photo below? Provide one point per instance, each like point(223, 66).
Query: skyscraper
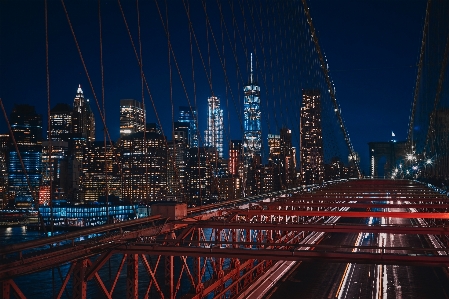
point(252, 140)
point(144, 166)
point(26, 126)
point(199, 176)
point(311, 148)
point(4, 144)
point(176, 170)
point(213, 136)
point(252, 136)
point(83, 120)
point(132, 117)
point(60, 122)
point(189, 115)
point(54, 167)
point(235, 158)
point(288, 156)
point(100, 171)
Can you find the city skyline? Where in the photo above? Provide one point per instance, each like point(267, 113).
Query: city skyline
point(360, 73)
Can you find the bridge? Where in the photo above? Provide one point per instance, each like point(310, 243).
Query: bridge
point(238, 230)
point(223, 251)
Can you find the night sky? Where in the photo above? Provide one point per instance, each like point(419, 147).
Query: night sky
point(372, 48)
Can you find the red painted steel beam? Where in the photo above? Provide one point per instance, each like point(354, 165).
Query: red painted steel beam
point(362, 200)
point(82, 232)
point(350, 214)
point(291, 255)
point(294, 246)
point(336, 228)
point(356, 205)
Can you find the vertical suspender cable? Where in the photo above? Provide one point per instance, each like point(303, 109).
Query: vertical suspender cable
point(104, 115)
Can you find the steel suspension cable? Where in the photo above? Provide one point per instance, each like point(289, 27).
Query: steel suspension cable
point(418, 77)
point(104, 114)
point(86, 71)
point(330, 87)
point(219, 55)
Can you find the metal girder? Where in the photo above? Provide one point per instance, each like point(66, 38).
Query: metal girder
point(292, 255)
point(406, 215)
point(56, 256)
point(336, 228)
point(79, 283)
point(334, 197)
point(9, 288)
point(136, 223)
point(357, 205)
point(132, 277)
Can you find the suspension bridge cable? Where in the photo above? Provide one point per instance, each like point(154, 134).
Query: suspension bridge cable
point(104, 114)
point(87, 73)
point(329, 85)
point(418, 77)
point(431, 129)
point(50, 151)
point(228, 84)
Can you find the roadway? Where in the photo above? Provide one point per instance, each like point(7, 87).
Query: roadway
point(321, 279)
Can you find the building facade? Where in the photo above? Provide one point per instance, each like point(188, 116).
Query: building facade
point(213, 136)
point(26, 126)
point(189, 115)
point(311, 147)
point(132, 117)
point(144, 167)
point(83, 120)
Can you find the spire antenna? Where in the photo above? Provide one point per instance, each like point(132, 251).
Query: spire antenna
point(251, 78)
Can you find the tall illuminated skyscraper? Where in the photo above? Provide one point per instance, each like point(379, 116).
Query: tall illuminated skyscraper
point(213, 136)
point(83, 120)
point(26, 126)
point(252, 137)
point(132, 117)
point(311, 148)
point(252, 140)
point(144, 166)
point(189, 115)
point(60, 122)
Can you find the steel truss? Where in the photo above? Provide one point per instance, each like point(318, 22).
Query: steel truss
point(222, 253)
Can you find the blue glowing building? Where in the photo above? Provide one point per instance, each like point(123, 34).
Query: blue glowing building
point(26, 126)
point(213, 136)
point(252, 135)
point(189, 115)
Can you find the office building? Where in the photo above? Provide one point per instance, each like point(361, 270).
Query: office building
point(189, 115)
point(101, 174)
point(252, 136)
point(144, 166)
point(60, 122)
point(83, 120)
point(311, 147)
point(26, 126)
point(199, 176)
point(213, 136)
point(4, 146)
point(176, 170)
point(252, 141)
point(132, 117)
point(235, 164)
point(54, 168)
